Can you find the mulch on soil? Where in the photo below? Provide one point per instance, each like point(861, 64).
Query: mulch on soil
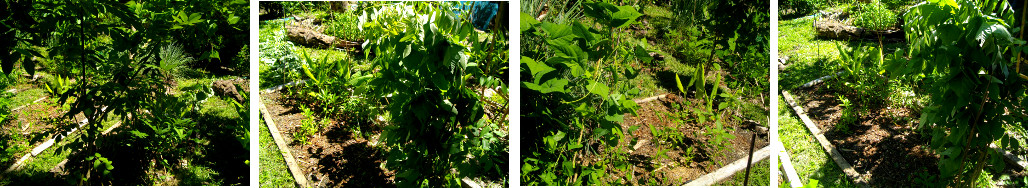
point(334, 157)
point(672, 169)
point(883, 145)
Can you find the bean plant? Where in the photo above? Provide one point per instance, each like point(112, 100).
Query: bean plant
point(964, 48)
point(424, 54)
point(579, 96)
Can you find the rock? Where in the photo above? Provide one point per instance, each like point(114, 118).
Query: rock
point(339, 6)
point(836, 30)
point(308, 37)
point(781, 64)
point(227, 88)
point(830, 26)
point(468, 183)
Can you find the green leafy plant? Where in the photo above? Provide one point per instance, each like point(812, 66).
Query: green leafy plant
point(213, 31)
point(699, 81)
point(309, 126)
point(581, 95)
point(423, 55)
point(862, 72)
point(242, 127)
point(282, 64)
point(344, 26)
point(101, 166)
point(113, 52)
point(789, 8)
point(849, 115)
point(874, 16)
point(57, 85)
point(689, 155)
point(719, 139)
point(962, 48)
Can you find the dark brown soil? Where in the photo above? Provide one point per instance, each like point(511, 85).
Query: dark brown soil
point(674, 169)
point(334, 157)
point(884, 145)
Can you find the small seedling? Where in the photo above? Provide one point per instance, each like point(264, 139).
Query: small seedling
point(848, 117)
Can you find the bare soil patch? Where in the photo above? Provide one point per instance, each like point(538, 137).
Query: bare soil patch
point(884, 145)
point(334, 157)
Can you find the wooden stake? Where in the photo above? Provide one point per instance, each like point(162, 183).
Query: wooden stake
point(749, 162)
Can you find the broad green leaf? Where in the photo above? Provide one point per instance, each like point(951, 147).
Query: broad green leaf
point(552, 85)
point(537, 69)
point(611, 15)
point(194, 18)
point(233, 20)
point(28, 64)
point(527, 22)
point(574, 145)
point(598, 88)
point(589, 34)
point(8, 66)
point(643, 54)
point(307, 71)
point(557, 31)
point(447, 105)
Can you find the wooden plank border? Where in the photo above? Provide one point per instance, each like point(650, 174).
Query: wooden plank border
point(790, 171)
point(283, 148)
point(827, 146)
point(730, 169)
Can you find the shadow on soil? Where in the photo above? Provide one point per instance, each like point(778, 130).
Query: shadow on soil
point(355, 165)
point(216, 159)
point(875, 141)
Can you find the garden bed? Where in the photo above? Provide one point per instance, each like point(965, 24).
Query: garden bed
point(33, 121)
point(34, 126)
point(353, 120)
point(675, 164)
point(330, 157)
point(884, 144)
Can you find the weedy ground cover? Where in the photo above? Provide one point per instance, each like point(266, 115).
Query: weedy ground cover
point(587, 64)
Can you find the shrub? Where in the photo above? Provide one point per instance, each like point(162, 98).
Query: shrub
point(964, 47)
point(424, 57)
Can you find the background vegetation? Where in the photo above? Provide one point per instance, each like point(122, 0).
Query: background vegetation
point(148, 65)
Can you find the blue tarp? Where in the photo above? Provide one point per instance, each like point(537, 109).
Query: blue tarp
point(482, 12)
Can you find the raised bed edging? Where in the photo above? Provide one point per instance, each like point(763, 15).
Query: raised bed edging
point(827, 146)
point(787, 167)
point(46, 145)
point(837, 157)
point(283, 148)
point(730, 169)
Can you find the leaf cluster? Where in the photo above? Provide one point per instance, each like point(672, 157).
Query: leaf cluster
point(964, 48)
point(424, 57)
point(581, 93)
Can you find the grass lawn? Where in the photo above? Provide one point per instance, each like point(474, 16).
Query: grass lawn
point(809, 159)
point(760, 175)
point(274, 172)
